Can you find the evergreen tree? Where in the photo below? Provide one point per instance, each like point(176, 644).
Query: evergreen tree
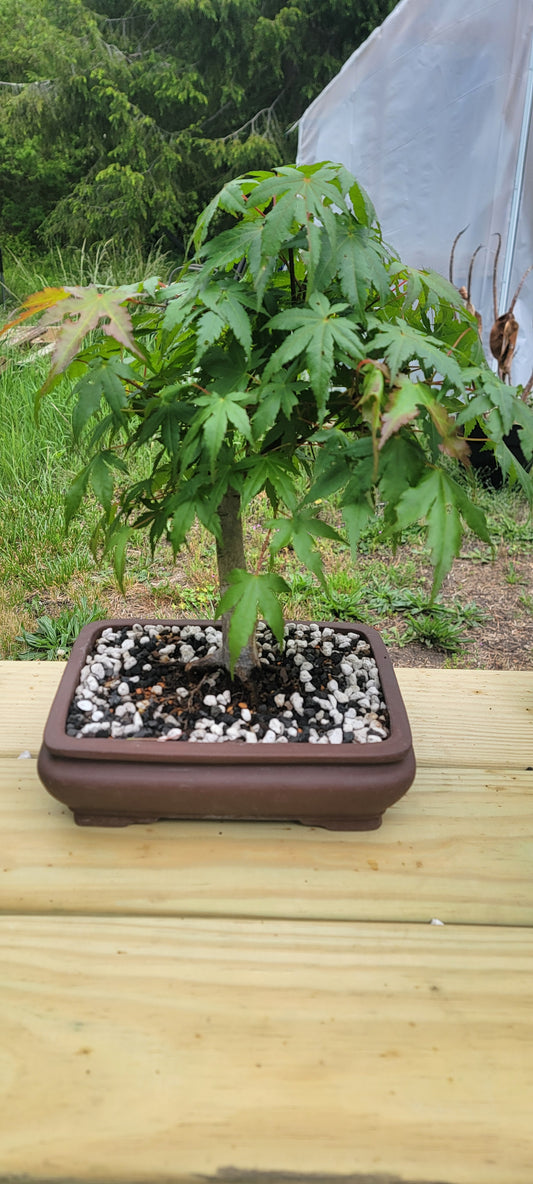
point(123, 120)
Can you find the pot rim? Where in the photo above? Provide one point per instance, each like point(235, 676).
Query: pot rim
point(145, 750)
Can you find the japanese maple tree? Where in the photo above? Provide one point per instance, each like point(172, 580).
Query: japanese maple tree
point(295, 355)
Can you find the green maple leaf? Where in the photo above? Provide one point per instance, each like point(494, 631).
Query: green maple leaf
point(209, 328)
point(101, 475)
point(360, 265)
point(117, 544)
point(499, 404)
point(356, 518)
point(242, 241)
point(279, 224)
point(402, 464)
point(439, 290)
point(249, 596)
point(442, 503)
point(216, 413)
point(75, 493)
point(316, 186)
point(231, 199)
point(277, 205)
point(182, 520)
point(228, 302)
point(301, 530)
point(426, 288)
point(399, 343)
point(314, 333)
point(338, 459)
point(102, 379)
point(274, 397)
point(271, 470)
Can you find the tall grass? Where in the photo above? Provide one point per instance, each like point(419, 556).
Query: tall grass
point(39, 565)
point(37, 462)
point(105, 264)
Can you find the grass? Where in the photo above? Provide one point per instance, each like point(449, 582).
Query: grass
point(47, 580)
point(103, 263)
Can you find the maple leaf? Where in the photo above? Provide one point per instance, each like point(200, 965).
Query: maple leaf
point(370, 404)
point(406, 400)
point(228, 301)
point(315, 333)
point(401, 343)
point(91, 310)
point(77, 311)
point(38, 302)
point(248, 594)
point(360, 265)
point(441, 502)
point(301, 530)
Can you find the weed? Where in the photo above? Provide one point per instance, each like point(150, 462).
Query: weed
point(435, 631)
point(197, 602)
point(460, 660)
point(53, 637)
point(439, 626)
point(512, 576)
point(478, 555)
point(526, 600)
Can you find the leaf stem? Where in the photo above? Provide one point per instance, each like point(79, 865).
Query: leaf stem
point(292, 275)
point(262, 552)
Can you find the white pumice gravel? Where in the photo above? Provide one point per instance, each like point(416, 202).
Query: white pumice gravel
point(140, 681)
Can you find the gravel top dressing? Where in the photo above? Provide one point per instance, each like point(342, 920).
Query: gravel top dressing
point(323, 688)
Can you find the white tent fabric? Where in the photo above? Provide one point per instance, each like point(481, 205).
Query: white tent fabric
point(430, 114)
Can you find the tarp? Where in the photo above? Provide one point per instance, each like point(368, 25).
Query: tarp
point(429, 115)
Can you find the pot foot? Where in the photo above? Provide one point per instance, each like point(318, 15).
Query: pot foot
point(83, 818)
point(366, 823)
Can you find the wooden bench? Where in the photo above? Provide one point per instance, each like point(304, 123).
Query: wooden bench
point(265, 1004)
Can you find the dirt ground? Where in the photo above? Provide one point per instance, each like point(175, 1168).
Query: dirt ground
point(505, 640)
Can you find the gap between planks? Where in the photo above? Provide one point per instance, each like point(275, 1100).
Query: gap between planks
point(459, 855)
point(457, 847)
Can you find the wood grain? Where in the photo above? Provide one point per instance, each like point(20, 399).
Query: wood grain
point(207, 1003)
point(458, 847)
point(169, 1050)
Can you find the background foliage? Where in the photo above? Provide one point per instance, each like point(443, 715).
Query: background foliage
point(124, 118)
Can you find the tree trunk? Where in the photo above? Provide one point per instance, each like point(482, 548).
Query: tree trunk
point(230, 554)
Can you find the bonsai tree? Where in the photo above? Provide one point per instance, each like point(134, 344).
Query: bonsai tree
point(297, 355)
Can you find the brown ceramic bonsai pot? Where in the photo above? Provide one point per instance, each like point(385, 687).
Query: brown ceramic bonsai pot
point(113, 782)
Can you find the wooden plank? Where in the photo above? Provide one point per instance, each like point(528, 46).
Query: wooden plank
point(26, 693)
point(457, 716)
point(171, 1050)
point(458, 847)
point(462, 718)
